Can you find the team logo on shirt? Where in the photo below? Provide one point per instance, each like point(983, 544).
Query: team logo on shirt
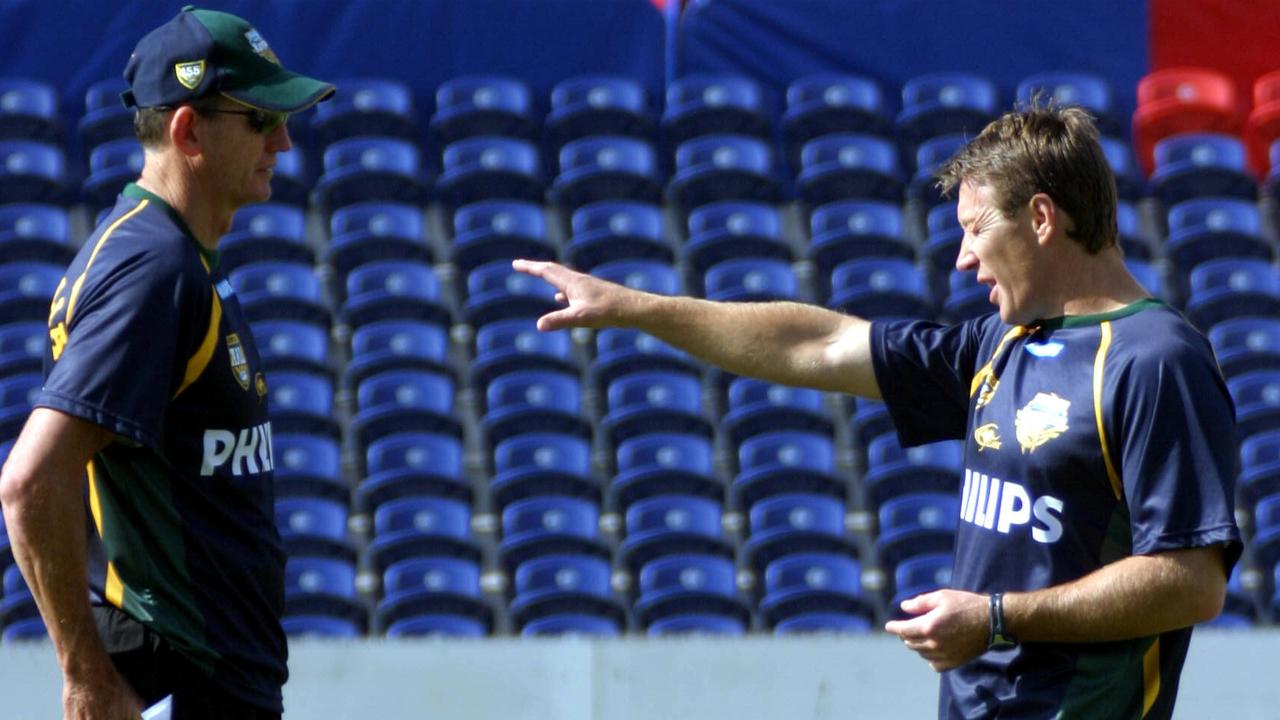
point(260, 385)
point(189, 73)
point(987, 437)
point(1041, 420)
point(239, 363)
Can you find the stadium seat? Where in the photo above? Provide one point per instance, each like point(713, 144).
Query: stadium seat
point(368, 168)
point(756, 406)
point(820, 105)
point(730, 230)
point(401, 400)
point(411, 464)
point(915, 524)
point(495, 291)
point(487, 167)
point(397, 344)
point(308, 464)
point(542, 463)
point(494, 231)
point(1266, 539)
point(778, 462)
point(690, 593)
point(1262, 127)
point(366, 106)
point(1150, 276)
point(966, 298)
point(26, 288)
point(30, 231)
point(290, 179)
point(825, 586)
point(112, 165)
point(1073, 88)
point(105, 117)
point(622, 351)
point(548, 525)
point(930, 156)
point(917, 575)
point(29, 110)
point(942, 103)
point(607, 167)
point(417, 527)
point(850, 229)
point(1130, 183)
point(375, 230)
point(943, 237)
point(560, 584)
point(869, 421)
point(1243, 344)
point(588, 105)
point(473, 105)
point(1180, 100)
point(671, 524)
point(1232, 287)
point(513, 344)
point(18, 393)
point(276, 290)
point(437, 596)
point(524, 401)
point(711, 168)
point(313, 526)
point(876, 288)
point(613, 230)
point(394, 290)
point(32, 171)
point(22, 346)
point(893, 470)
point(1257, 400)
point(320, 598)
point(1259, 465)
point(751, 279)
point(650, 401)
point(302, 402)
point(795, 522)
point(1209, 228)
point(847, 166)
point(700, 105)
point(266, 231)
point(1133, 239)
point(1192, 165)
point(664, 463)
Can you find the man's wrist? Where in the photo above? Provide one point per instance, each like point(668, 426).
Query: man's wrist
point(998, 635)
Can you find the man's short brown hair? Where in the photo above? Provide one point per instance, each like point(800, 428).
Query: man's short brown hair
point(151, 126)
point(1043, 149)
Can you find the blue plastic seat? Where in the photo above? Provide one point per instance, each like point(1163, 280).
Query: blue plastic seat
point(394, 290)
point(22, 346)
point(290, 178)
point(850, 229)
point(820, 105)
point(18, 392)
point(710, 168)
point(314, 527)
point(26, 289)
point(278, 290)
point(1210, 228)
point(1266, 539)
point(29, 110)
point(412, 464)
point(367, 168)
point(398, 344)
point(846, 166)
point(943, 236)
point(654, 401)
point(598, 105)
point(266, 231)
point(322, 588)
point(1244, 344)
point(700, 105)
point(757, 406)
point(564, 584)
point(1191, 165)
point(880, 289)
point(917, 575)
point(402, 400)
point(780, 462)
point(1232, 287)
point(795, 522)
point(671, 524)
point(32, 171)
point(870, 420)
point(751, 279)
point(542, 463)
point(966, 297)
point(302, 402)
point(376, 230)
point(1149, 276)
point(1133, 239)
point(1073, 89)
point(473, 105)
point(1130, 183)
point(607, 167)
point(112, 165)
point(37, 232)
point(420, 526)
point(495, 292)
point(686, 592)
point(549, 525)
point(729, 230)
point(572, 624)
point(820, 584)
point(942, 103)
point(503, 346)
point(433, 596)
point(1257, 400)
point(612, 230)
point(893, 470)
point(662, 463)
point(366, 106)
point(524, 401)
point(105, 117)
point(930, 156)
point(622, 351)
point(915, 524)
point(487, 167)
point(648, 275)
point(307, 464)
point(493, 231)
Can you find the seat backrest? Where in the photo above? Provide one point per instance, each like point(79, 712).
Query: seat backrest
point(563, 572)
point(649, 275)
point(394, 278)
point(920, 510)
point(880, 276)
point(29, 279)
point(416, 389)
point(699, 92)
point(551, 514)
point(433, 574)
point(499, 276)
point(1086, 90)
point(427, 452)
point(851, 151)
point(541, 389)
point(935, 151)
point(543, 451)
point(746, 391)
point(30, 157)
point(522, 335)
point(1236, 275)
point(1187, 85)
point(1215, 215)
point(35, 220)
point(500, 217)
point(857, 217)
point(368, 95)
point(303, 392)
point(125, 153)
point(836, 91)
point(885, 450)
point(383, 219)
point(690, 573)
point(754, 278)
point(736, 217)
point(320, 575)
point(618, 217)
point(794, 449)
point(275, 279)
point(374, 154)
point(271, 220)
point(798, 512)
point(613, 153)
point(656, 389)
point(314, 517)
point(484, 93)
point(493, 154)
point(1256, 390)
point(297, 454)
point(288, 340)
point(1259, 450)
point(406, 338)
point(20, 390)
point(429, 515)
point(1202, 150)
point(950, 90)
point(666, 450)
point(600, 92)
point(814, 571)
point(675, 513)
point(726, 152)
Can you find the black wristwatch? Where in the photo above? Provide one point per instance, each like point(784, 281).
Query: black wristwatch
point(998, 638)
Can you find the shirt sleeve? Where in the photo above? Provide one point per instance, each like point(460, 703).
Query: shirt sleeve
point(130, 333)
point(923, 371)
point(1176, 441)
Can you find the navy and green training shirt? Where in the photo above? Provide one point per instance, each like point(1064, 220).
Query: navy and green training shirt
point(1087, 439)
point(147, 340)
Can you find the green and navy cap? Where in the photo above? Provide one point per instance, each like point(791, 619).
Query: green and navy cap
point(205, 52)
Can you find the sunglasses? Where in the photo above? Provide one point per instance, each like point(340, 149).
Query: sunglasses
point(261, 121)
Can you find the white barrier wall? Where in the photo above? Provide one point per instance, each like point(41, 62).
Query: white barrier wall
point(1228, 675)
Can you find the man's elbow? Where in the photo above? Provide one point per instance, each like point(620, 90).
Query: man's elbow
point(1208, 593)
point(14, 487)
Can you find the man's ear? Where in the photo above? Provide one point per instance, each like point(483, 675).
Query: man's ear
point(184, 130)
point(1046, 216)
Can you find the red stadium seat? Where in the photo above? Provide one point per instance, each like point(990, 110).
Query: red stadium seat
point(1263, 126)
point(1181, 100)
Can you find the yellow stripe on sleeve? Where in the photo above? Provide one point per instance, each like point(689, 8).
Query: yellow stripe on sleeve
point(75, 289)
point(1099, 364)
point(1151, 676)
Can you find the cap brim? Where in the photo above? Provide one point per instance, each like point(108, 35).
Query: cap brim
point(284, 91)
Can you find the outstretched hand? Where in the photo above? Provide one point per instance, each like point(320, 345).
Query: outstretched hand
point(592, 302)
point(949, 628)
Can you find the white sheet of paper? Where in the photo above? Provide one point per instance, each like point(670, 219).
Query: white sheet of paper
point(162, 710)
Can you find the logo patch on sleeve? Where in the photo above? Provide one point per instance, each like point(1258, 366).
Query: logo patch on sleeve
point(239, 362)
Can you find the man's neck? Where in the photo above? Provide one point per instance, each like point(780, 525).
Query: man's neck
point(1097, 284)
point(180, 187)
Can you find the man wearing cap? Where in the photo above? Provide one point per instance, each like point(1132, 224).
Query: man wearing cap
point(153, 384)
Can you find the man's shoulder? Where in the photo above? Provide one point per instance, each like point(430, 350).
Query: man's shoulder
point(139, 236)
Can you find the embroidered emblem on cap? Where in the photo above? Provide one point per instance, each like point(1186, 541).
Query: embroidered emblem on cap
point(189, 73)
point(260, 46)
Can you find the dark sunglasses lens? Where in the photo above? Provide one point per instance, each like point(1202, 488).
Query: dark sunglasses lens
point(266, 122)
